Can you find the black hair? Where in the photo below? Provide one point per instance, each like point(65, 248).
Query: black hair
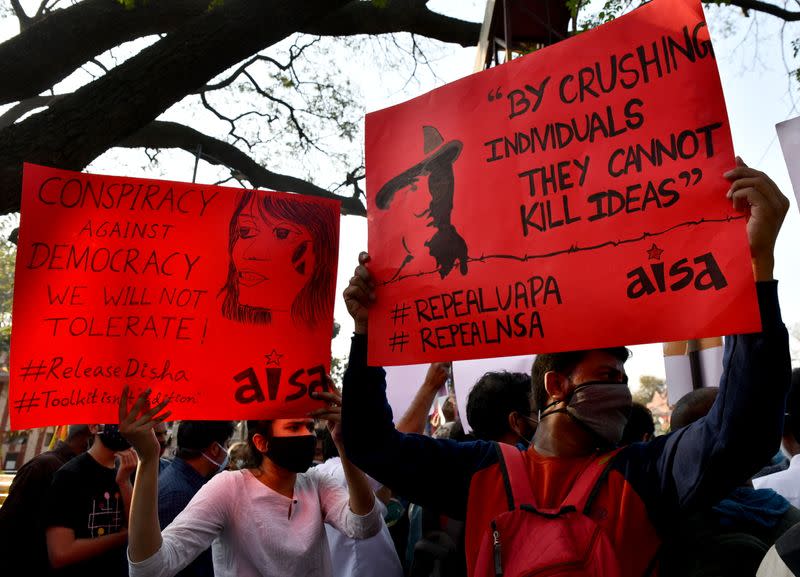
point(77, 431)
point(692, 406)
point(313, 303)
point(195, 436)
point(640, 423)
point(563, 364)
point(493, 398)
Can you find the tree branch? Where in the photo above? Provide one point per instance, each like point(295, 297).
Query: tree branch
point(56, 44)
point(160, 134)
point(19, 11)
point(22, 108)
point(59, 42)
point(396, 16)
point(82, 125)
point(767, 8)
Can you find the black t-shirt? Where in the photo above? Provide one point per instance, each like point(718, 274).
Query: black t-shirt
point(85, 497)
point(21, 516)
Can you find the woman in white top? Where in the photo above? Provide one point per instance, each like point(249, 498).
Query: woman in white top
point(263, 521)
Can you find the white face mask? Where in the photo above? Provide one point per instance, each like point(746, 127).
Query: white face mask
point(224, 464)
point(534, 423)
point(601, 407)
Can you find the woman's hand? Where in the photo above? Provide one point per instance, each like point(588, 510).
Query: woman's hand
point(137, 424)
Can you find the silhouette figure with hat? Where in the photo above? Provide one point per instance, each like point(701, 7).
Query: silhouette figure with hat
point(446, 246)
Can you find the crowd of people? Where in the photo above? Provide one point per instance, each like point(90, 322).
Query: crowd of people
point(561, 475)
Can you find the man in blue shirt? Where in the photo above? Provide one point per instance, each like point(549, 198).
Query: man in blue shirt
point(201, 453)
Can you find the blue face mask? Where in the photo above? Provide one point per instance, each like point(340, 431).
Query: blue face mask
point(224, 464)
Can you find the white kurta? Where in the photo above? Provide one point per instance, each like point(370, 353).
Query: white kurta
point(255, 531)
point(360, 557)
point(785, 483)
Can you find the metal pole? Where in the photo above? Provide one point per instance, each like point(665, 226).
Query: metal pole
point(507, 30)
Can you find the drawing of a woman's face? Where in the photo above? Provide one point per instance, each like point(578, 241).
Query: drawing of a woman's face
point(282, 260)
point(273, 258)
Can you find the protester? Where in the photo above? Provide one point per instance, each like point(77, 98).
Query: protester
point(21, 531)
point(267, 519)
point(783, 558)
point(162, 434)
point(238, 456)
point(633, 494)
point(787, 482)
point(87, 506)
point(414, 420)
point(730, 538)
point(358, 557)
point(692, 406)
point(201, 454)
point(640, 426)
point(499, 408)
point(417, 418)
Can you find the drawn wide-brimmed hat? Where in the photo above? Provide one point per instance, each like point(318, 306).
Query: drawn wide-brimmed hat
point(434, 148)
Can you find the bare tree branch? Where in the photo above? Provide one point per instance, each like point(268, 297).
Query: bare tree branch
point(53, 46)
point(22, 108)
point(61, 41)
point(19, 11)
point(82, 125)
point(767, 8)
point(160, 134)
point(396, 16)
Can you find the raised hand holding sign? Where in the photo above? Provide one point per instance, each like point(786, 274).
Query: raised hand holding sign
point(219, 300)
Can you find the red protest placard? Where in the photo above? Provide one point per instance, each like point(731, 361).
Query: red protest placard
point(570, 199)
point(217, 298)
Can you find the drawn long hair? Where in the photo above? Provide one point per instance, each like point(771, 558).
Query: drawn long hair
point(313, 302)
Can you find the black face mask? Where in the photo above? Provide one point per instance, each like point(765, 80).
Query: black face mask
point(294, 454)
point(112, 439)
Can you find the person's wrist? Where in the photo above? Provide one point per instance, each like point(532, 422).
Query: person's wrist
point(763, 267)
point(432, 384)
point(147, 460)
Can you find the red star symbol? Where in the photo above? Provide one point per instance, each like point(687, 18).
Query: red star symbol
point(654, 253)
point(273, 358)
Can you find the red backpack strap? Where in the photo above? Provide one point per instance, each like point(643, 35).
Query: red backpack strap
point(514, 469)
point(588, 484)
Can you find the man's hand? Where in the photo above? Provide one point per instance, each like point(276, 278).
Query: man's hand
point(360, 294)
point(127, 465)
point(137, 425)
point(756, 195)
point(436, 376)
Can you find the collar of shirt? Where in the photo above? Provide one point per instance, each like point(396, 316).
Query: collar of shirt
point(187, 473)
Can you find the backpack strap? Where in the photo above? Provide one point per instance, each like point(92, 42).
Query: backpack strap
point(589, 482)
point(514, 469)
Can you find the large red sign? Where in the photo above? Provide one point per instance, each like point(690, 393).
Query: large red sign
point(217, 298)
point(570, 199)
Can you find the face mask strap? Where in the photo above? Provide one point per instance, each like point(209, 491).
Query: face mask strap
point(210, 460)
point(542, 415)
